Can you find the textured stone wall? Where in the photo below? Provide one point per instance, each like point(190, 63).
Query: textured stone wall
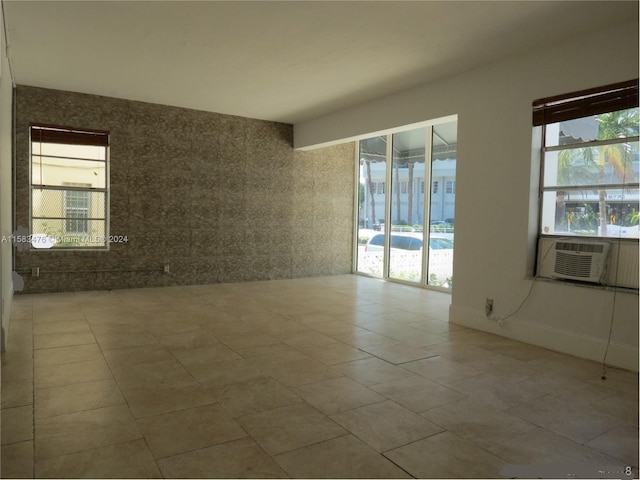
point(219, 198)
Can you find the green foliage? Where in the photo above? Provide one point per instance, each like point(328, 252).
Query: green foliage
point(585, 223)
point(443, 228)
point(633, 218)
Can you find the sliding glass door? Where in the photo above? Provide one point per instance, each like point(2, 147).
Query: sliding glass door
point(408, 178)
point(407, 209)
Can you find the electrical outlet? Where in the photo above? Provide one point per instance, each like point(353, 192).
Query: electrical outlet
point(35, 271)
point(488, 306)
point(166, 268)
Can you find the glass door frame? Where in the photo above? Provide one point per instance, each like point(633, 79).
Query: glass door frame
point(426, 213)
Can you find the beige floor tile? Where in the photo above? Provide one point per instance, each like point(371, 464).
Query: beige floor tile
point(17, 424)
point(485, 361)
point(21, 343)
point(17, 460)
point(123, 460)
point(187, 430)
point(621, 406)
point(620, 443)
point(254, 396)
point(65, 399)
point(285, 335)
point(120, 357)
point(471, 337)
point(248, 340)
point(433, 325)
point(112, 318)
point(227, 373)
point(173, 326)
point(573, 389)
point(216, 352)
point(75, 432)
point(371, 371)
point(150, 373)
point(282, 328)
point(69, 373)
point(16, 394)
point(418, 394)
point(237, 459)
point(337, 394)
point(618, 380)
point(330, 326)
point(231, 326)
point(363, 338)
point(334, 353)
point(49, 313)
point(417, 338)
point(123, 339)
point(342, 457)
point(190, 339)
point(154, 399)
point(66, 326)
point(580, 423)
point(51, 340)
point(514, 349)
point(297, 370)
point(446, 455)
point(477, 422)
point(308, 338)
point(129, 325)
point(386, 425)
point(441, 370)
point(287, 428)
point(277, 349)
point(397, 353)
point(17, 366)
point(71, 354)
point(243, 307)
point(568, 365)
point(542, 447)
point(500, 391)
point(379, 309)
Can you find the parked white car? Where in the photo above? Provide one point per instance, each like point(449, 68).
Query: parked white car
point(406, 257)
point(408, 241)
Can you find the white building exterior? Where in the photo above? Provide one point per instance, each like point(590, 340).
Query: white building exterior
point(443, 192)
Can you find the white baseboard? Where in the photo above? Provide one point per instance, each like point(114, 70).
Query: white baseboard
point(619, 355)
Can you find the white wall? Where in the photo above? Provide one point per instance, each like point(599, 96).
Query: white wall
point(6, 285)
point(496, 189)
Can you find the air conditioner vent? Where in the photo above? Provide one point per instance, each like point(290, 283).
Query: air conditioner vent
point(610, 262)
point(581, 247)
point(580, 260)
point(573, 265)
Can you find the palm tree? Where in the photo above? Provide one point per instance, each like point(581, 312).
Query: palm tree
point(593, 164)
point(371, 193)
point(410, 194)
point(620, 124)
point(571, 171)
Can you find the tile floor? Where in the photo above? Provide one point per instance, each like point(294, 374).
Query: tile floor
point(344, 377)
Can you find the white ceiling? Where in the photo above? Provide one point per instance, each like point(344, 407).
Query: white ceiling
point(286, 61)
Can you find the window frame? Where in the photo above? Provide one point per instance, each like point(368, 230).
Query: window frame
point(578, 105)
point(85, 198)
point(71, 136)
point(450, 187)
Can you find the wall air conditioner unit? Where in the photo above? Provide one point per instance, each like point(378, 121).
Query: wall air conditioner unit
point(578, 260)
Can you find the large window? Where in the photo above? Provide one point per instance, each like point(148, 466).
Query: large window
point(393, 242)
point(69, 187)
point(76, 208)
point(589, 178)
